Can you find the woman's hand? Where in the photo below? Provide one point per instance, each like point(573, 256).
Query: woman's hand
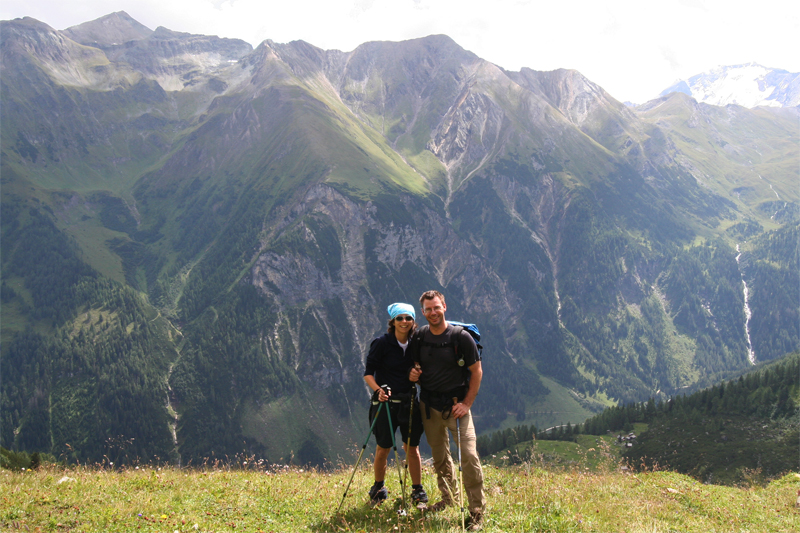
point(382, 396)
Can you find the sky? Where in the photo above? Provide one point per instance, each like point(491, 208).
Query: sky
point(634, 49)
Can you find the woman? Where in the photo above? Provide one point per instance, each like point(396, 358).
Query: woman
point(388, 363)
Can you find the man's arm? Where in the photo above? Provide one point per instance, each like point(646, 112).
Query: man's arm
point(469, 350)
point(476, 374)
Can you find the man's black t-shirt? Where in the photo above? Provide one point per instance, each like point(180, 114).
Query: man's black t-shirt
point(438, 360)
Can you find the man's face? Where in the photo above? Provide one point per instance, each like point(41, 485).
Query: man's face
point(434, 310)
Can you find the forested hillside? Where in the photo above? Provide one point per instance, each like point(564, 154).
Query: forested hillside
point(200, 239)
point(89, 369)
point(746, 429)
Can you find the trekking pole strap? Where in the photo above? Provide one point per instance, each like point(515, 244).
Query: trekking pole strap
point(387, 401)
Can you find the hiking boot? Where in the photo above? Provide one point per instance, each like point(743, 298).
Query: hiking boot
point(377, 494)
point(419, 497)
point(475, 521)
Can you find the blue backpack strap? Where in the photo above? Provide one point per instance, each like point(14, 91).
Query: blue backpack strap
point(473, 331)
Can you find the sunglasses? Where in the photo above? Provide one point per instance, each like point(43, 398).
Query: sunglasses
point(404, 318)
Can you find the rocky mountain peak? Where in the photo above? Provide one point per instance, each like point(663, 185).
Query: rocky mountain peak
point(569, 91)
point(25, 23)
point(61, 58)
point(27, 33)
point(166, 34)
point(112, 29)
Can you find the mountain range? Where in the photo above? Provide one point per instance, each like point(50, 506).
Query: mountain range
point(200, 239)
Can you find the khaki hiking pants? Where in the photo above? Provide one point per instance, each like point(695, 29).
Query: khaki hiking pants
point(447, 473)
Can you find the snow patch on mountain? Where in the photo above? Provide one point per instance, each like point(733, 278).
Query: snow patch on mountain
point(749, 85)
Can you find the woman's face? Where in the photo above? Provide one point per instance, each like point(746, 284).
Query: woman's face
point(403, 323)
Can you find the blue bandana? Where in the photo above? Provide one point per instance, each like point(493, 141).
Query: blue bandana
point(401, 309)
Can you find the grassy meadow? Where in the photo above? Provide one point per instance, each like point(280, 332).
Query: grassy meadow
point(527, 497)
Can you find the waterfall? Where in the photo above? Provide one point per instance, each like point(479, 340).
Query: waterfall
point(747, 314)
point(778, 196)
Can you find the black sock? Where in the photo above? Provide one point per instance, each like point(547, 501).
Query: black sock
point(416, 486)
point(378, 484)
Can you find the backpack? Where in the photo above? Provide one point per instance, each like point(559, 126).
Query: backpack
point(473, 331)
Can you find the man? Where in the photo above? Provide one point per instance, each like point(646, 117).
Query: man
point(449, 367)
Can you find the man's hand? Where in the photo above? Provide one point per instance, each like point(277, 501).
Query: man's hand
point(415, 372)
point(462, 408)
point(459, 410)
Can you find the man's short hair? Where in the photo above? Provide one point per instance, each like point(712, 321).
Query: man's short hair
point(430, 295)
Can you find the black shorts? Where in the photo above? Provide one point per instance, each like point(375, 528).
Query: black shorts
point(400, 413)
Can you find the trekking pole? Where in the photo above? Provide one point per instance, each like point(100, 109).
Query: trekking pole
point(396, 458)
point(460, 471)
point(408, 444)
point(364, 447)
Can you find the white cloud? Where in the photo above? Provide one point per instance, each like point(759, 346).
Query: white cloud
point(631, 48)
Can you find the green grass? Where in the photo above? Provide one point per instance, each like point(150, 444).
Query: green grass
point(561, 402)
point(521, 498)
point(590, 452)
point(559, 406)
point(92, 238)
